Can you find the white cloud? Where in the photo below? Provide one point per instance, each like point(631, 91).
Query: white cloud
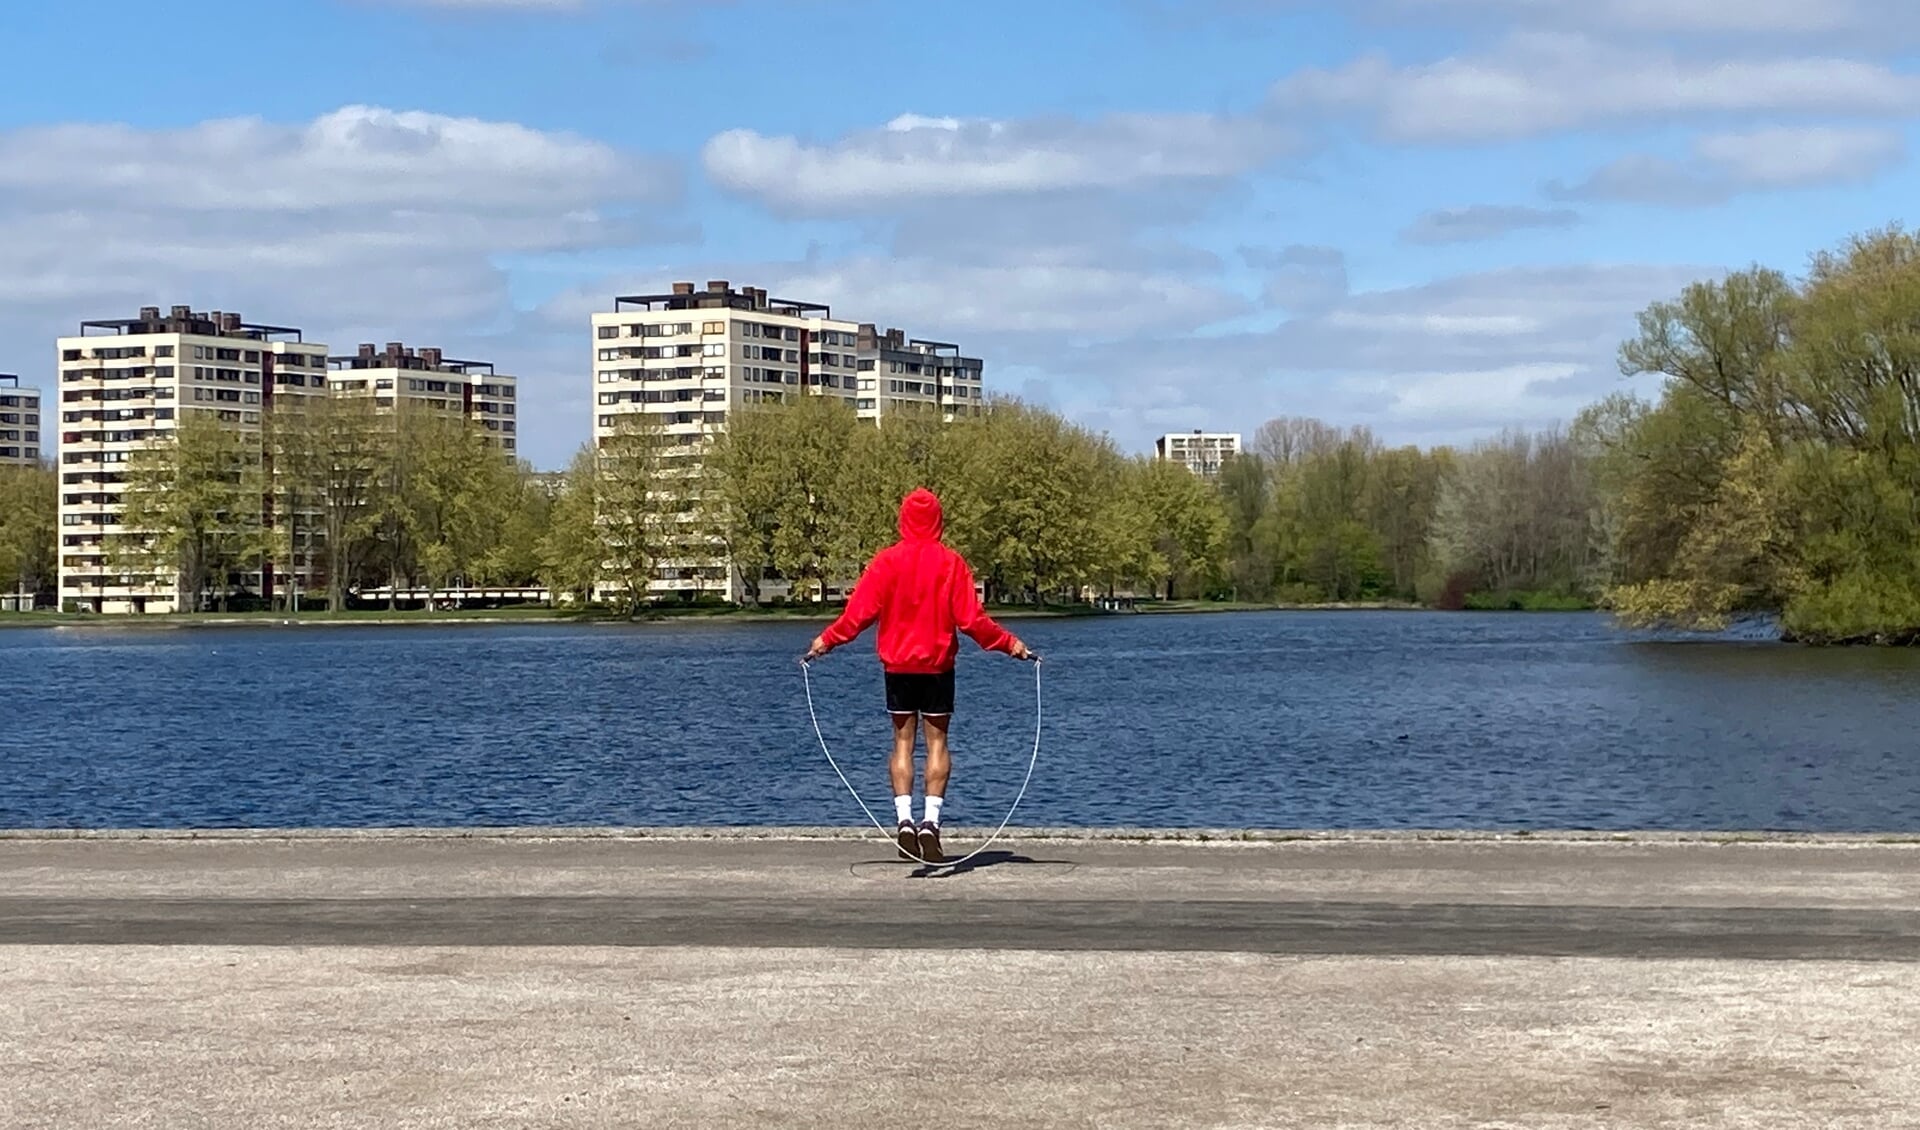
point(915, 158)
point(1538, 83)
point(1482, 222)
point(1727, 164)
point(357, 156)
point(1440, 325)
point(1440, 362)
point(1472, 398)
point(363, 224)
point(1803, 156)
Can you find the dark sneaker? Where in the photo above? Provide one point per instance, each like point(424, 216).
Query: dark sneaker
point(908, 840)
point(930, 843)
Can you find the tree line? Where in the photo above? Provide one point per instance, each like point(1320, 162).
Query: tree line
point(1775, 472)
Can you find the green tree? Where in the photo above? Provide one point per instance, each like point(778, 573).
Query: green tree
point(1246, 492)
point(813, 538)
point(29, 528)
point(883, 463)
point(1024, 500)
point(573, 555)
point(1186, 524)
point(740, 488)
point(328, 452)
point(638, 503)
point(192, 510)
point(526, 515)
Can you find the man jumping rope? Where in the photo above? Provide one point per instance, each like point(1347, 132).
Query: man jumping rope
point(921, 591)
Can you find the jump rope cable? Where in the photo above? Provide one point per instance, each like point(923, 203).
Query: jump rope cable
point(806, 674)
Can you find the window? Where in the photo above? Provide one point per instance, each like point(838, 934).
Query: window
point(608, 376)
point(609, 398)
point(716, 349)
point(605, 332)
point(793, 334)
point(714, 328)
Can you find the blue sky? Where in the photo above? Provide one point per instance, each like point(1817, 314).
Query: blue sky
point(1436, 218)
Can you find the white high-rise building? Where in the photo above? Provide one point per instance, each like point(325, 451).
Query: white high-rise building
point(20, 429)
point(125, 383)
point(400, 379)
point(686, 358)
point(1203, 453)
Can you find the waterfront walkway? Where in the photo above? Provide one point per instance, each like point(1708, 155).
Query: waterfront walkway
point(806, 978)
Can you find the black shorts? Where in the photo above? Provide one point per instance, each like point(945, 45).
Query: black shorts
point(920, 694)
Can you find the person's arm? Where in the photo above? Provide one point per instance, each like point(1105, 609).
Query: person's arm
point(972, 619)
point(863, 608)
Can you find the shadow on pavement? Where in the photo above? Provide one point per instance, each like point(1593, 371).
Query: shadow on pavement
point(986, 859)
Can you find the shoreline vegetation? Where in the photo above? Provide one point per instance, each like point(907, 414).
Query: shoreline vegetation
point(1771, 478)
point(715, 613)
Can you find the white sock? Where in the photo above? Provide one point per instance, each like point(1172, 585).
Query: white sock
point(903, 809)
point(933, 810)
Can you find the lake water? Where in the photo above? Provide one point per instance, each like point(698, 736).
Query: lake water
point(1282, 720)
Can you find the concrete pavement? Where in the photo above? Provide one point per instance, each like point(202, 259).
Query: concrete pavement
point(805, 979)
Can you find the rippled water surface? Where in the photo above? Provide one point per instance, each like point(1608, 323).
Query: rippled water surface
point(1323, 720)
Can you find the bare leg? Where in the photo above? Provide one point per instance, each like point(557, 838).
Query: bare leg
point(905, 730)
point(939, 761)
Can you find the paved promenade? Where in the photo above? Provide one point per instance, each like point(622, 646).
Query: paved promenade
point(805, 978)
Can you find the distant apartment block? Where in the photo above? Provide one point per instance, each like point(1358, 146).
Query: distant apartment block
point(685, 359)
point(124, 384)
point(1203, 453)
point(401, 380)
point(19, 423)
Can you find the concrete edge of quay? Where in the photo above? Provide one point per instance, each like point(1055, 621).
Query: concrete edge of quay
point(1192, 837)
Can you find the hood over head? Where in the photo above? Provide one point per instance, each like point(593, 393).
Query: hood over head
point(920, 516)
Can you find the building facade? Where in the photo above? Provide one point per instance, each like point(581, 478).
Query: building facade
point(685, 359)
point(1203, 453)
point(125, 384)
point(401, 380)
point(19, 423)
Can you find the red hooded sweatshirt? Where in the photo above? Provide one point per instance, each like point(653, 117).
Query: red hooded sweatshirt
point(920, 591)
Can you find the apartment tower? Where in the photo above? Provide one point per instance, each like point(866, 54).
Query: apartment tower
point(1203, 453)
point(687, 358)
point(19, 423)
point(126, 383)
point(404, 380)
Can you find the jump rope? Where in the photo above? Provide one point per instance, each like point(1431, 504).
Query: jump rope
point(806, 674)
